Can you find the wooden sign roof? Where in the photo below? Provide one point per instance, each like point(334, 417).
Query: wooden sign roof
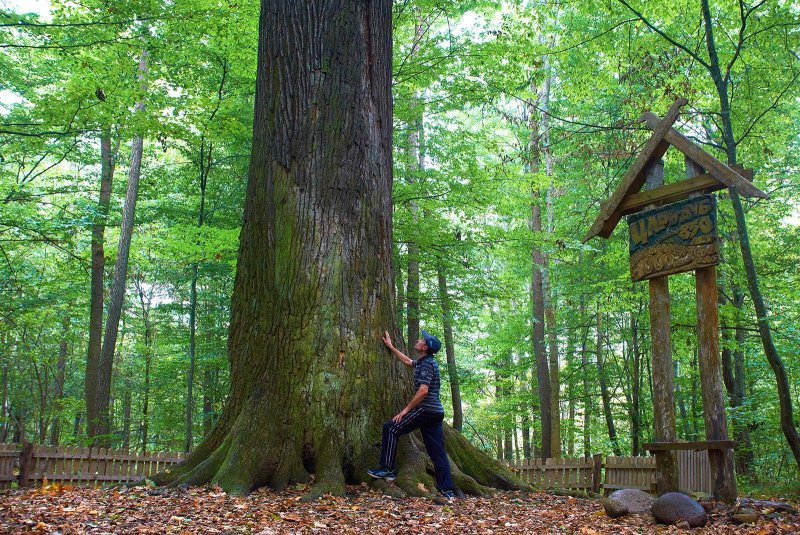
point(626, 198)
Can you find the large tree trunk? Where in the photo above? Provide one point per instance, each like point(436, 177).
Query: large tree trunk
point(311, 382)
point(97, 288)
point(208, 407)
point(117, 293)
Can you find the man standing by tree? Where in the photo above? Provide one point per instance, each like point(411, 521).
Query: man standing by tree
point(423, 412)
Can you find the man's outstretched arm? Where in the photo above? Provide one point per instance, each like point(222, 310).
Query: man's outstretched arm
point(402, 357)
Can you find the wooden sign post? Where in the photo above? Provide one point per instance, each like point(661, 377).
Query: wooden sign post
point(674, 238)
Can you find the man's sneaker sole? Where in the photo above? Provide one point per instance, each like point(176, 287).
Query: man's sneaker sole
point(387, 477)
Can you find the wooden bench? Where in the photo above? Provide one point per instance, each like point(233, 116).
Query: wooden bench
point(693, 472)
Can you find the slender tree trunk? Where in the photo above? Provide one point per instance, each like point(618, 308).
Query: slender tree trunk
point(452, 370)
point(636, 415)
point(547, 288)
point(689, 426)
point(148, 357)
point(571, 428)
point(77, 427)
point(605, 395)
point(539, 349)
point(412, 290)
point(4, 402)
point(127, 407)
point(18, 436)
point(205, 168)
point(526, 434)
point(744, 452)
point(97, 286)
point(537, 282)
point(117, 293)
point(762, 315)
point(695, 430)
point(58, 395)
point(587, 394)
point(189, 434)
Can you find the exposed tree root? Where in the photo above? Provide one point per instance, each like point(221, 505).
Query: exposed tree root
point(483, 469)
point(252, 454)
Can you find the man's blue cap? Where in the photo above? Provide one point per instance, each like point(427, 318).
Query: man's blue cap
point(432, 342)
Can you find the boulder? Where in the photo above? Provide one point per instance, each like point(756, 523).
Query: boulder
point(634, 500)
point(675, 507)
point(614, 509)
point(745, 515)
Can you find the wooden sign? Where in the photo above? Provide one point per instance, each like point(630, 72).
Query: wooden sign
point(678, 237)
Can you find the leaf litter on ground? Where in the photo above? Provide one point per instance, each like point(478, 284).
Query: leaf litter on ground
point(64, 510)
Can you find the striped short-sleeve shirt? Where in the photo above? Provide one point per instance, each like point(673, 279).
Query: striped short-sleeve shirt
point(426, 372)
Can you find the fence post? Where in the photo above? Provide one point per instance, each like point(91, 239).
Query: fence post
point(597, 459)
point(25, 464)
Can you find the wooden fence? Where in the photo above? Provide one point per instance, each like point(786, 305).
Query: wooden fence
point(565, 473)
point(590, 474)
point(31, 465)
point(630, 473)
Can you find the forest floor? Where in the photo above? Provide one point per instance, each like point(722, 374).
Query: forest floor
point(57, 509)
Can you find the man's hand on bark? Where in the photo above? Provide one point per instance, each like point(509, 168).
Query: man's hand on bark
point(387, 340)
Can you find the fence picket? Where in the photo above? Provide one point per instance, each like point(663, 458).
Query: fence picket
point(83, 466)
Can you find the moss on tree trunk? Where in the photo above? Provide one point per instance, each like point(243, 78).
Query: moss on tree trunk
point(311, 383)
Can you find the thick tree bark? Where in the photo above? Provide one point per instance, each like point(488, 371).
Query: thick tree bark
point(311, 382)
point(97, 287)
point(117, 293)
point(208, 401)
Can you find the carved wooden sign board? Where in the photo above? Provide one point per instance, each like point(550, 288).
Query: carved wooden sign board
point(674, 238)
